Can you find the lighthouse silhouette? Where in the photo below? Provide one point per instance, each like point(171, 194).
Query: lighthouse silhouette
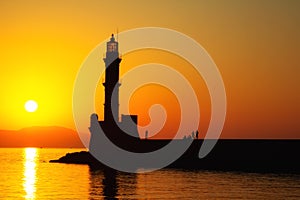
point(123, 131)
point(112, 65)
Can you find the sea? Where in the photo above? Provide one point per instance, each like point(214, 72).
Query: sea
point(27, 174)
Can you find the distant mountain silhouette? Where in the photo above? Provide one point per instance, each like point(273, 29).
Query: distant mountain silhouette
point(40, 136)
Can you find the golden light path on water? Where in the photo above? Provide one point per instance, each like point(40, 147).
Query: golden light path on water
point(29, 179)
point(27, 174)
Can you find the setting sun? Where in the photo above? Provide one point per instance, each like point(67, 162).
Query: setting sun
point(31, 106)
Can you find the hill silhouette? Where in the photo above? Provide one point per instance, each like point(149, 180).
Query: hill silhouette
point(40, 136)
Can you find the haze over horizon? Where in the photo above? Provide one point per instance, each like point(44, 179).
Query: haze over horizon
point(255, 45)
point(39, 136)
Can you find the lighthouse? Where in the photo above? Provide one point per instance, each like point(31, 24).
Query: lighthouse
point(121, 131)
point(111, 84)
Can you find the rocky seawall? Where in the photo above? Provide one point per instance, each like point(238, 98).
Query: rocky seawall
point(274, 156)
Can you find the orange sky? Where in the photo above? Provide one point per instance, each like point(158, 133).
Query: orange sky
point(255, 44)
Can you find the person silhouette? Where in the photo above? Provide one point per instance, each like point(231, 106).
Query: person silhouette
point(197, 134)
point(146, 135)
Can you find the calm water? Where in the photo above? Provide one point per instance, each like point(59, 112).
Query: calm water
point(27, 174)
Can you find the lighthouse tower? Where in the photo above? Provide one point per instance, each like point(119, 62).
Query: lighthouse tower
point(121, 132)
point(111, 84)
point(125, 129)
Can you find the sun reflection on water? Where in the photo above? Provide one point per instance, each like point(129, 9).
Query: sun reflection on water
point(30, 155)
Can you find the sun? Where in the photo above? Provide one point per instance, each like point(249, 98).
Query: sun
point(31, 106)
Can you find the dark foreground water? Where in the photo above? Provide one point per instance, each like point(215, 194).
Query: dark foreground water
point(27, 174)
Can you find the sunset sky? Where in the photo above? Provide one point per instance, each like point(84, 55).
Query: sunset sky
point(254, 43)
